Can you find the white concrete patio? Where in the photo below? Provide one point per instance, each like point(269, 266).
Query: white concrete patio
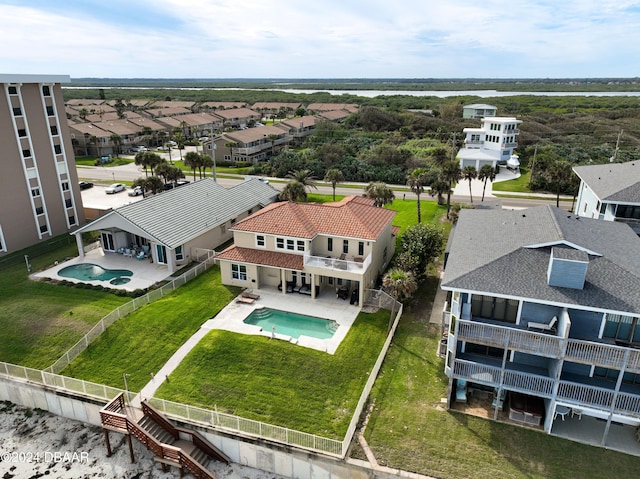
point(325, 306)
point(144, 275)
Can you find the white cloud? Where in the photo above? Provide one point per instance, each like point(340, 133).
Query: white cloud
point(227, 38)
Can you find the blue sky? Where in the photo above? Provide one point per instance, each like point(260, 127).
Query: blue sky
point(321, 39)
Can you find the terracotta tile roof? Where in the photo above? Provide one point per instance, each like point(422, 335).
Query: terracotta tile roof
point(353, 217)
point(231, 113)
point(395, 230)
point(262, 257)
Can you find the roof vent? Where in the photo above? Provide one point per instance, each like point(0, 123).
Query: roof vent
point(567, 268)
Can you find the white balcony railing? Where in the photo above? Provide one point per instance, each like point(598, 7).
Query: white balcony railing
point(518, 339)
point(337, 264)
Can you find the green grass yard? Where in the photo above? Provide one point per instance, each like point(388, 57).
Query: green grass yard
point(278, 382)
point(518, 185)
point(142, 342)
point(40, 321)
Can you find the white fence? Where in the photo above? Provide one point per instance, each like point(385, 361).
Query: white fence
point(61, 383)
point(127, 308)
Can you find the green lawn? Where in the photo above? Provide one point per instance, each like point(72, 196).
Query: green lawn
point(91, 161)
point(39, 321)
point(278, 382)
point(142, 342)
point(407, 212)
point(410, 429)
point(518, 185)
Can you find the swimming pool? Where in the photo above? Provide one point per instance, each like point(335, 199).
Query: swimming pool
point(292, 324)
point(93, 272)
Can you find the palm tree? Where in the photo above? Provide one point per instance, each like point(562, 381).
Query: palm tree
point(416, 179)
point(399, 283)
point(559, 175)
point(117, 141)
point(293, 191)
point(487, 172)
point(334, 176)
point(141, 160)
point(179, 139)
point(450, 174)
point(469, 174)
point(440, 188)
point(230, 145)
point(379, 192)
point(194, 161)
point(272, 138)
point(152, 183)
point(147, 135)
point(207, 162)
point(304, 177)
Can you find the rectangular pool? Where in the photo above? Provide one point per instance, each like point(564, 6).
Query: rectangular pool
point(292, 324)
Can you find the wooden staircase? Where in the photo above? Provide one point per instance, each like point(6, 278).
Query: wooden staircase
point(171, 445)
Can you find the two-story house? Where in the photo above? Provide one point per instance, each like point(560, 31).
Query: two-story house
point(299, 128)
point(311, 248)
point(251, 145)
point(493, 143)
point(610, 192)
point(544, 320)
point(478, 110)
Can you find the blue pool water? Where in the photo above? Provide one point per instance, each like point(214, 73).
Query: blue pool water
point(93, 272)
point(292, 324)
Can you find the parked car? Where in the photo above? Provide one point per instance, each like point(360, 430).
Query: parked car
point(85, 185)
point(163, 148)
point(114, 188)
point(136, 149)
point(137, 191)
point(170, 186)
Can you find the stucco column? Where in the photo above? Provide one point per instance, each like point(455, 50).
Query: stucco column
point(313, 286)
point(283, 280)
point(171, 260)
point(80, 245)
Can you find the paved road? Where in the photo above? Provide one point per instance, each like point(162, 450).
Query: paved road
point(130, 172)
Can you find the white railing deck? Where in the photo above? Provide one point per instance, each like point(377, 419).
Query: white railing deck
point(337, 263)
point(549, 345)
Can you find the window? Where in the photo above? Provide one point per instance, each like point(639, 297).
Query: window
point(260, 241)
point(68, 203)
point(280, 243)
point(239, 271)
point(26, 153)
point(13, 90)
point(46, 91)
point(300, 245)
point(22, 132)
point(179, 253)
point(329, 244)
point(50, 111)
point(57, 149)
point(622, 329)
point(43, 229)
point(65, 186)
point(290, 244)
point(72, 220)
point(17, 111)
point(345, 246)
point(361, 248)
point(233, 221)
point(39, 210)
point(35, 192)
point(54, 129)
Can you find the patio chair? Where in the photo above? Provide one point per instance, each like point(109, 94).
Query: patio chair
point(543, 326)
point(243, 300)
point(127, 252)
point(141, 255)
point(250, 295)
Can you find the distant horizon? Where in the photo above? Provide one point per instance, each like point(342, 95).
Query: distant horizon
point(366, 39)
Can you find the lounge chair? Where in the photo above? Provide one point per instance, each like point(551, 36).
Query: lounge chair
point(250, 295)
point(543, 326)
point(243, 300)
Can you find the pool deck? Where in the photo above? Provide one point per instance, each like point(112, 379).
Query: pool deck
point(328, 307)
point(145, 273)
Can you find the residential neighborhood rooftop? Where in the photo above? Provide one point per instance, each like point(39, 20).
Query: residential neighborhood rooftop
point(353, 217)
point(618, 182)
point(507, 253)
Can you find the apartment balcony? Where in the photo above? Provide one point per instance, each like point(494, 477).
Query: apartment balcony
point(474, 142)
point(593, 353)
point(511, 337)
point(250, 150)
point(326, 264)
point(512, 144)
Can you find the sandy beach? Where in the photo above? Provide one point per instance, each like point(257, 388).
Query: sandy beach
point(35, 443)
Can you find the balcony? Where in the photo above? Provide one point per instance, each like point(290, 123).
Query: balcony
point(336, 264)
point(547, 345)
point(510, 337)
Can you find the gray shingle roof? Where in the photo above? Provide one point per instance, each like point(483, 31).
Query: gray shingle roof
point(501, 252)
point(619, 182)
point(177, 216)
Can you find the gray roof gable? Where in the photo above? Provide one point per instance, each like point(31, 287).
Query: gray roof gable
point(507, 253)
point(618, 182)
point(177, 216)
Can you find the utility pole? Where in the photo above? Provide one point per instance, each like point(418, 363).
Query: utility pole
point(453, 147)
point(533, 164)
point(615, 153)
